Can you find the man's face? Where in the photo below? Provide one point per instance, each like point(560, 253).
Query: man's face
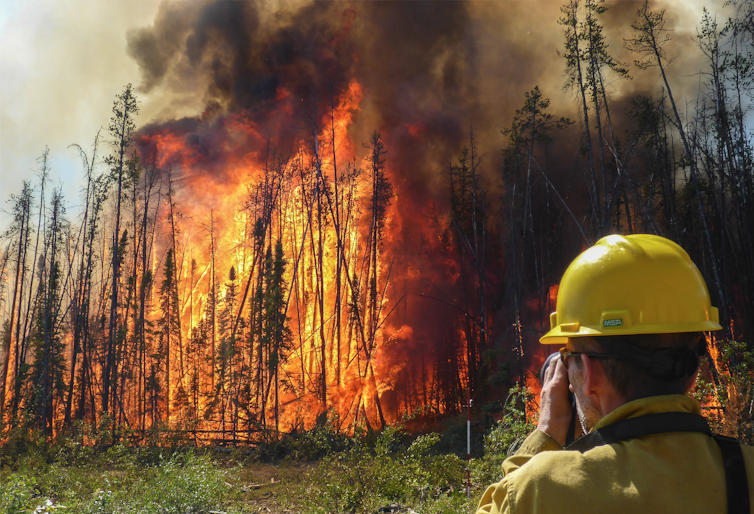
point(588, 410)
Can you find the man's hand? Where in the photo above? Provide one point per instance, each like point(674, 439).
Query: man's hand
point(554, 408)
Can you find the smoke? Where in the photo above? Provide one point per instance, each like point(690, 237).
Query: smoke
point(431, 70)
point(240, 55)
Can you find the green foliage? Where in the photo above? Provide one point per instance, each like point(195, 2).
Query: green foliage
point(505, 437)
point(307, 445)
point(385, 471)
point(16, 493)
point(181, 483)
point(727, 404)
point(453, 437)
point(356, 474)
point(18, 441)
point(179, 486)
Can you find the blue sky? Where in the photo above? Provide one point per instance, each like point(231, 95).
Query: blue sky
point(61, 65)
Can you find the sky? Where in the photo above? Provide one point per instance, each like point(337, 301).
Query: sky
point(61, 65)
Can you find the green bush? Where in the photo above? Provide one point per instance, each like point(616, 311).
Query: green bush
point(180, 484)
point(303, 445)
point(505, 437)
point(732, 394)
point(385, 471)
point(16, 494)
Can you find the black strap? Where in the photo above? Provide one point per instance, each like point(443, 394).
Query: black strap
point(571, 434)
point(641, 426)
point(736, 482)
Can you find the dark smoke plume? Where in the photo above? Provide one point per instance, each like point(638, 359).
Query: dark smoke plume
point(429, 69)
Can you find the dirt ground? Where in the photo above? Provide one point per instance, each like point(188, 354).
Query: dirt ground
point(260, 487)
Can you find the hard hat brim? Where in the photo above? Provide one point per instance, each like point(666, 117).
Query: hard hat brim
point(560, 336)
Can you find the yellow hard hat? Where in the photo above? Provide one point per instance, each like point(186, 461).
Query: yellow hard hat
point(637, 284)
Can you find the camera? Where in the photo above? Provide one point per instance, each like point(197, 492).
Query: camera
point(551, 359)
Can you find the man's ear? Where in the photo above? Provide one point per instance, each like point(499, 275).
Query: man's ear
point(594, 375)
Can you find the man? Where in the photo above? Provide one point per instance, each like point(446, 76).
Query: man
point(631, 311)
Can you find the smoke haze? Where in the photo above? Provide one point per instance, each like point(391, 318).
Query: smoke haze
point(429, 69)
point(62, 64)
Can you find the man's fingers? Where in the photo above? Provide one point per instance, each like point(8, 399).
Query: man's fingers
point(561, 369)
point(560, 374)
point(555, 409)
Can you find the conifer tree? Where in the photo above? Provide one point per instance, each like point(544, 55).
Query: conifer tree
point(121, 128)
point(20, 229)
point(532, 125)
point(47, 371)
point(94, 196)
point(169, 325)
point(277, 335)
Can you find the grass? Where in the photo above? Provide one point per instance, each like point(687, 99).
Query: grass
point(372, 471)
point(176, 484)
point(367, 477)
point(122, 480)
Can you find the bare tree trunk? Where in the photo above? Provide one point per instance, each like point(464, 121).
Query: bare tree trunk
point(572, 40)
point(339, 247)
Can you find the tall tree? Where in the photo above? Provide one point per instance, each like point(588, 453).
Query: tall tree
point(121, 128)
point(48, 368)
point(20, 228)
point(169, 324)
point(173, 217)
point(32, 303)
point(532, 125)
point(80, 303)
point(575, 57)
point(381, 194)
point(469, 218)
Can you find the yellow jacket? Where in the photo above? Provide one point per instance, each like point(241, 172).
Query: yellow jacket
point(679, 472)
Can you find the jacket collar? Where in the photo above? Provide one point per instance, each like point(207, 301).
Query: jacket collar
point(651, 405)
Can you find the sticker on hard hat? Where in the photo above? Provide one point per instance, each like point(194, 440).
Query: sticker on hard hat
point(612, 323)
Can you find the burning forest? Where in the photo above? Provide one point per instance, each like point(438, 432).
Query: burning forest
point(336, 233)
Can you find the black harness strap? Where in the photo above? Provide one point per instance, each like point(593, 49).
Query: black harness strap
point(641, 426)
point(736, 483)
point(571, 433)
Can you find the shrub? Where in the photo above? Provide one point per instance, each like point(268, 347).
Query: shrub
point(323, 439)
point(16, 494)
point(505, 437)
point(385, 471)
point(180, 484)
point(728, 404)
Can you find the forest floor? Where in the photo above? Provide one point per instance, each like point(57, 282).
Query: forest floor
point(125, 480)
point(315, 472)
point(263, 487)
point(130, 482)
